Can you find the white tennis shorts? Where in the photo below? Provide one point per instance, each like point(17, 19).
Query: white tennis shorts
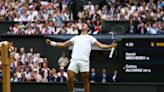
point(79, 65)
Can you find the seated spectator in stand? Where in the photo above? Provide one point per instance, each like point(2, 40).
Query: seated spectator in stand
point(50, 77)
point(91, 27)
point(45, 70)
point(95, 16)
point(63, 60)
point(45, 61)
point(160, 26)
point(27, 73)
point(93, 77)
point(153, 29)
point(32, 53)
point(23, 78)
point(29, 31)
point(14, 78)
point(142, 29)
point(22, 55)
point(104, 77)
point(43, 77)
point(54, 73)
point(89, 7)
point(73, 30)
point(115, 76)
point(38, 59)
point(35, 76)
point(62, 30)
point(46, 31)
point(79, 24)
point(62, 75)
point(18, 73)
point(97, 28)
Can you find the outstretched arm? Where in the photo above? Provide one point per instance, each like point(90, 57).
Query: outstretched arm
point(59, 44)
point(105, 46)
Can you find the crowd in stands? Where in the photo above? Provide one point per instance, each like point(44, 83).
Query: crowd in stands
point(35, 10)
point(59, 10)
point(50, 27)
point(30, 66)
point(123, 9)
point(149, 27)
point(73, 28)
point(55, 17)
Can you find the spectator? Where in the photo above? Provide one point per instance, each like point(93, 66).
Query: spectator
point(95, 16)
point(38, 59)
point(43, 77)
point(93, 77)
point(22, 55)
point(45, 61)
point(51, 28)
point(97, 28)
point(90, 7)
point(104, 76)
point(142, 29)
point(72, 29)
point(79, 24)
point(23, 78)
point(27, 73)
point(32, 53)
point(14, 78)
point(52, 75)
point(91, 26)
point(62, 30)
point(35, 76)
point(153, 29)
point(115, 77)
point(62, 75)
point(63, 60)
point(45, 70)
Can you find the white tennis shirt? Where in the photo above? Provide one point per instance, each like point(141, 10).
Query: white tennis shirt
point(82, 45)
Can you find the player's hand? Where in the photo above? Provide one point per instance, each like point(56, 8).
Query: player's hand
point(48, 41)
point(114, 44)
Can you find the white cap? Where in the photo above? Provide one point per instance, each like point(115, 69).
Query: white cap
point(61, 67)
point(36, 70)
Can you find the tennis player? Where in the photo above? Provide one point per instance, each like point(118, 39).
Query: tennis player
point(80, 55)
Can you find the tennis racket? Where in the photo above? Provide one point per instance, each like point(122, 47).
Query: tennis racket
point(117, 35)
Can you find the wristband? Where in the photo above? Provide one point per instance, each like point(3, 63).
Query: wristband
point(53, 44)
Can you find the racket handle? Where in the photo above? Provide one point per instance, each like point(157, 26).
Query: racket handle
point(111, 53)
